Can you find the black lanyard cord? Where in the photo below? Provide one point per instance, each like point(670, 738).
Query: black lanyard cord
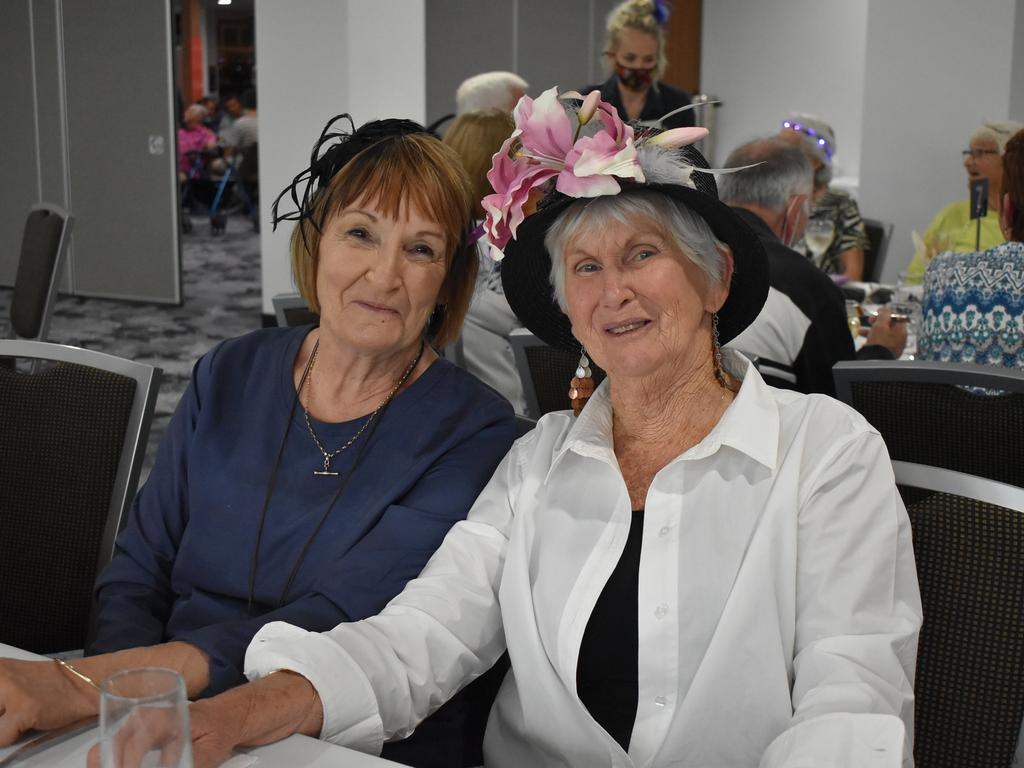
point(334, 499)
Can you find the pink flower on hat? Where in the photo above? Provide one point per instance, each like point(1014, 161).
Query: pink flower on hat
point(544, 146)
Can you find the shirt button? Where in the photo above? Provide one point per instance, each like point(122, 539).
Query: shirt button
point(660, 701)
point(664, 531)
point(661, 611)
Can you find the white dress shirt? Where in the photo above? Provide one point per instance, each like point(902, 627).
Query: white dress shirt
point(778, 600)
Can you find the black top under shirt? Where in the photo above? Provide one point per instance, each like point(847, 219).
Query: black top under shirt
point(606, 675)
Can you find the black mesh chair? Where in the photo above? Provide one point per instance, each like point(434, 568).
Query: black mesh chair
point(942, 414)
point(969, 548)
point(545, 372)
point(955, 433)
point(44, 244)
point(72, 437)
point(291, 310)
point(879, 233)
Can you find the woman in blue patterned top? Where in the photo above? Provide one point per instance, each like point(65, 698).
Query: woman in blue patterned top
point(974, 302)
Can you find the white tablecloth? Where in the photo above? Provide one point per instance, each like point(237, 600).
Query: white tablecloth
point(293, 752)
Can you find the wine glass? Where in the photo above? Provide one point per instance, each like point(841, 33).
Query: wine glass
point(144, 720)
point(818, 236)
point(853, 311)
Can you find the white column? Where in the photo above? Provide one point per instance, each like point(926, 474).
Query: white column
point(316, 59)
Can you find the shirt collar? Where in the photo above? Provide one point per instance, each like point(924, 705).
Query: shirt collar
point(749, 425)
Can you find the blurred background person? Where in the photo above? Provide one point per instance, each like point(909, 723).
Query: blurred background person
point(486, 352)
point(194, 137)
point(974, 302)
point(635, 53)
point(489, 91)
point(231, 109)
point(244, 131)
point(952, 229)
point(833, 211)
point(802, 330)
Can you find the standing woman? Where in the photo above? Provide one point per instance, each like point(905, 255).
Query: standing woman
point(308, 473)
point(635, 52)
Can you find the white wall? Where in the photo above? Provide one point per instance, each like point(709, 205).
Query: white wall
point(315, 60)
point(1017, 72)
point(764, 59)
point(934, 70)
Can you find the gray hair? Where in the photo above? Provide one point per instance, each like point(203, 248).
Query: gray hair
point(689, 232)
point(196, 110)
point(488, 91)
point(997, 133)
point(782, 170)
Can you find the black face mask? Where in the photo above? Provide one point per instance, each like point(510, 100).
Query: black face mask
point(634, 79)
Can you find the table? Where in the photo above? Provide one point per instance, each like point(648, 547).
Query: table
point(294, 752)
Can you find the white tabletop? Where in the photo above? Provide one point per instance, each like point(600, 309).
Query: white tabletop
point(293, 752)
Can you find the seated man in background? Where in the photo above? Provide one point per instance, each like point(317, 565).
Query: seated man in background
point(802, 331)
point(489, 91)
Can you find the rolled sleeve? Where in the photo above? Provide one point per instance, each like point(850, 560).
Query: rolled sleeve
point(351, 715)
point(858, 616)
point(862, 741)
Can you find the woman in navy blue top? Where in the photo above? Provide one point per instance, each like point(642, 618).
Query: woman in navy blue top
point(308, 473)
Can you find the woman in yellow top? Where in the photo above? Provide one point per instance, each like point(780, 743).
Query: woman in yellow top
point(952, 229)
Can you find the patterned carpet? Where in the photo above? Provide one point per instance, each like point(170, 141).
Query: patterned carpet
point(221, 285)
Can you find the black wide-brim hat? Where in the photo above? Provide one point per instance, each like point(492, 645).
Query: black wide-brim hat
point(526, 268)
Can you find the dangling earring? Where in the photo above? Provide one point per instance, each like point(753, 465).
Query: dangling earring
point(582, 385)
point(716, 351)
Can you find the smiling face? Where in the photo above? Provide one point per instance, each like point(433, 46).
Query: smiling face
point(379, 277)
point(638, 304)
point(987, 165)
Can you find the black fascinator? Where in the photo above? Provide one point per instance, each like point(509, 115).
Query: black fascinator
point(331, 152)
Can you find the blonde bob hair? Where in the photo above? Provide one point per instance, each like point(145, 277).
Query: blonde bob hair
point(413, 169)
point(476, 137)
point(637, 15)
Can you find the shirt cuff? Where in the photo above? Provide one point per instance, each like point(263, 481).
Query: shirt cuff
point(841, 740)
point(351, 716)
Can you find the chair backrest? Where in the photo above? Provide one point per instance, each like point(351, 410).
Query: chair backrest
point(545, 372)
point(290, 310)
point(879, 233)
point(44, 244)
point(969, 549)
point(72, 439)
point(938, 414)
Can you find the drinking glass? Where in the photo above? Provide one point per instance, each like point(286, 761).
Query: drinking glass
point(908, 312)
point(853, 318)
point(818, 236)
point(144, 720)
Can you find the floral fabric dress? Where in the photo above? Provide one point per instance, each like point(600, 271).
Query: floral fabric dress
point(974, 307)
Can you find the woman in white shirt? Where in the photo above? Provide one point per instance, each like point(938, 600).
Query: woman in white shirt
point(697, 570)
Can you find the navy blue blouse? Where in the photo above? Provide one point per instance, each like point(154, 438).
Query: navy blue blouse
point(182, 566)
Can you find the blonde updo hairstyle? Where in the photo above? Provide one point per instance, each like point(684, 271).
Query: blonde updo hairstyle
point(638, 15)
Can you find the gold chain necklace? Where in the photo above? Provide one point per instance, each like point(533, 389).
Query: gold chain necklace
point(329, 455)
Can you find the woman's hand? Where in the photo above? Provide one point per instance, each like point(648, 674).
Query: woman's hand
point(39, 695)
point(213, 733)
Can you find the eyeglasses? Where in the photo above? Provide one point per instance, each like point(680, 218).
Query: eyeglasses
point(977, 154)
